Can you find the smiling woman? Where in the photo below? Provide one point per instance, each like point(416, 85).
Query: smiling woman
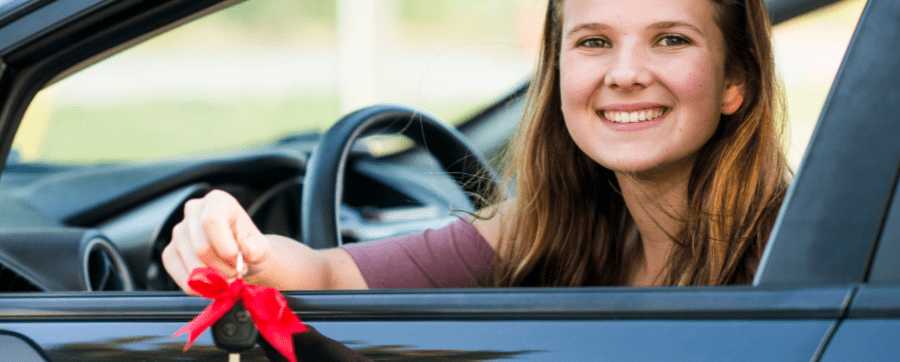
point(648, 155)
point(686, 198)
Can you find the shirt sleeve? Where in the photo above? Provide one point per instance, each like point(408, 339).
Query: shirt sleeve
point(455, 256)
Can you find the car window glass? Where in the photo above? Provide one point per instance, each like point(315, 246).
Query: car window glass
point(808, 52)
point(263, 70)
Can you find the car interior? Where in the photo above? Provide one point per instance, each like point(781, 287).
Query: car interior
point(66, 170)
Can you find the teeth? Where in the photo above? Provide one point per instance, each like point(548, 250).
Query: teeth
point(633, 117)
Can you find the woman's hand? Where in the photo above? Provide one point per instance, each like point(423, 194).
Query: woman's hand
point(214, 228)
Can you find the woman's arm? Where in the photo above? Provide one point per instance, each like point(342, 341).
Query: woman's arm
point(297, 267)
point(215, 227)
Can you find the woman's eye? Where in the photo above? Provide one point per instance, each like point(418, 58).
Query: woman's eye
point(594, 43)
point(673, 40)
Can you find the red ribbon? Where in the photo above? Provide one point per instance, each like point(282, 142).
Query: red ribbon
point(269, 310)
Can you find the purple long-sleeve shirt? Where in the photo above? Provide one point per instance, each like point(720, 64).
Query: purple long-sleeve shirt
point(455, 256)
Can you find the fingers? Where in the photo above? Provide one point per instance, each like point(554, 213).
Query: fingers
point(213, 229)
point(214, 220)
point(228, 228)
point(256, 249)
point(195, 244)
point(172, 262)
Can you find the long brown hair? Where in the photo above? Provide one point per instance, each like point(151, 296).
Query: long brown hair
point(566, 226)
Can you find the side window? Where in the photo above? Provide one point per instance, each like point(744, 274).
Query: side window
point(262, 70)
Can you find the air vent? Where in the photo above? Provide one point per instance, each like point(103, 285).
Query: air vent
point(12, 282)
point(105, 269)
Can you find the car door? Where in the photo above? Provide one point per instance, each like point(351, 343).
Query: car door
point(871, 328)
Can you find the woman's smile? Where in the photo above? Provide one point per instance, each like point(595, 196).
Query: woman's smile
point(633, 117)
point(625, 117)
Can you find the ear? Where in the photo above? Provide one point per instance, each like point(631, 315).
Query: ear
point(733, 96)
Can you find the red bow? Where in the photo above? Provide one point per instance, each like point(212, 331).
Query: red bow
point(267, 307)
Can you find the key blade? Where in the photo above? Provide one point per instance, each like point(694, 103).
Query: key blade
point(240, 264)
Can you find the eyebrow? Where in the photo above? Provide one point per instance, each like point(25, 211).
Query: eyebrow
point(665, 25)
point(588, 26)
point(662, 25)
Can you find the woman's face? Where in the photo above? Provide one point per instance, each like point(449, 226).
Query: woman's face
point(643, 81)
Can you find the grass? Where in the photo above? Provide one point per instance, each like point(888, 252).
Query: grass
point(86, 134)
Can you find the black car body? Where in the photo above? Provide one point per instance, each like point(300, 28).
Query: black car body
point(827, 289)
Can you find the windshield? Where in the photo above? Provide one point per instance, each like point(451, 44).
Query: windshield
point(262, 70)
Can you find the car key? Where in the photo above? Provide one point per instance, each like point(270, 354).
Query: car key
point(235, 331)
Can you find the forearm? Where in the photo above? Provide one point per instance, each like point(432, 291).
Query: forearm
point(295, 266)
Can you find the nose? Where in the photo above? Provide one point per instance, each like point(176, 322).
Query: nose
point(628, 70)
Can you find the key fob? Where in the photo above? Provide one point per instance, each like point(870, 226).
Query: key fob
point(235, 331)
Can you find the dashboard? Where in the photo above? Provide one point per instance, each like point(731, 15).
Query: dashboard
point(103, 227)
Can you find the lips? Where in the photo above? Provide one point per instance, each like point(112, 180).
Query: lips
point(633, 116)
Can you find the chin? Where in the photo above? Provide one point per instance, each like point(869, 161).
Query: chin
point(646, 169)
point(630, 167)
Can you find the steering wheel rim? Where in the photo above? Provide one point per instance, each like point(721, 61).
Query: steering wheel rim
point(323, 182)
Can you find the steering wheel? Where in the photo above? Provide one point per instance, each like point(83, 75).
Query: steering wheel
point(324, 179)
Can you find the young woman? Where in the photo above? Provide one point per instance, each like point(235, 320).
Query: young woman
point(649, 155)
